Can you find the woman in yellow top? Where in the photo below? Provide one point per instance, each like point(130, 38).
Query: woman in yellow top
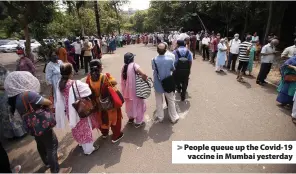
point(111, 118)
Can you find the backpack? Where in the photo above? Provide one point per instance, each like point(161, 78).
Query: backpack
point(183, 61)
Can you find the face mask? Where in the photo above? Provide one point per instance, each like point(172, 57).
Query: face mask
point(20, 55)
point(236, 38)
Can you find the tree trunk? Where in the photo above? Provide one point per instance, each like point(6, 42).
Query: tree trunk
point(97, 18)
point(117, 16)
point(245, 25)
point(28, 40)
point(270, 3)
point(81, 24)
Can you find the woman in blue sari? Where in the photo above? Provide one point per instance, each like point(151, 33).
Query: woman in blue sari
point(112, 44)
point(287, 89)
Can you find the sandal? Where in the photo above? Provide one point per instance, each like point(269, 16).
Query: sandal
point(294, 120)
point(96, 148)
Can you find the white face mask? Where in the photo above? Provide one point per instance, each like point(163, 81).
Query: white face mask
point(236, 38)
point(20, 55)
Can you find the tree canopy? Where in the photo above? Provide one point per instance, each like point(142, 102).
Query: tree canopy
point(225, 17)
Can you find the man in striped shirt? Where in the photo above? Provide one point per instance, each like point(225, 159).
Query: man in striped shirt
point(244, 51)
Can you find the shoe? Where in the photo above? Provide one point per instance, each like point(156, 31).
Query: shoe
point(130, 121)
point(183, 98)
point(176, 121)
point(139, 125)
point(65, 170)
point(260, 83)
point(264, 82)
point(119, 138)
point(17, 169)
point(158, 120)
point(96, 147)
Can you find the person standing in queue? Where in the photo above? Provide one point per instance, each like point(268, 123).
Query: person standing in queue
point(183, 64)
point(87, 54)
point(162, 67)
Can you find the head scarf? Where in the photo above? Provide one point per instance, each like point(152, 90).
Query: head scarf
point(18, 82)
point(3, 74)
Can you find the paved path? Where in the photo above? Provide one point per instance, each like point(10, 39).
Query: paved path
point(218, 108)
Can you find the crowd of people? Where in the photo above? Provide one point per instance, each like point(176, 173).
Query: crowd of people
point(20, 89)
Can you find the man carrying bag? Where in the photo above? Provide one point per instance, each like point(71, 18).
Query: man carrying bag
point(164, 84)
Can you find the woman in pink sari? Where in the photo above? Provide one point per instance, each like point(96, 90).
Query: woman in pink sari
point(135, 107)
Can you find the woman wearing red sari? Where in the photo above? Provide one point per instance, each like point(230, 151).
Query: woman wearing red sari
point(107, 119)
point(70, 55)
point(97, 50)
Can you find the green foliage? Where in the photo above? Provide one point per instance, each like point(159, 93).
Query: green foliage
point(46, 51)
point(108, 19)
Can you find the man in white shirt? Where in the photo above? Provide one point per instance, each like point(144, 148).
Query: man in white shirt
point(233, 52)
point(289, 51)
point(205, 47)
point(168, 53)
point(170, 38)
point(77, 45)
point(268, 54)
point(197, 41)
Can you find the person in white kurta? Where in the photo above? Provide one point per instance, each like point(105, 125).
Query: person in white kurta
point(222, 48)
point(53, 74)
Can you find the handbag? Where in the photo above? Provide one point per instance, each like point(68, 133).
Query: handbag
point(290, 78)
point(83, 106)
point(38, 121)
point(143, 88)
point(168, 83)
point(115, 94)
point(104, 103)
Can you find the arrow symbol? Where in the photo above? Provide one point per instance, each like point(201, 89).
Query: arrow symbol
point(179, 147)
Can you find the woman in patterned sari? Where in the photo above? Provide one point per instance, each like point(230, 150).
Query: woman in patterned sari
point(107, 119)
point(81, 127)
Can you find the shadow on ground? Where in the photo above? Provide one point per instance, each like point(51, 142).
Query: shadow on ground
point(161, 132)
point(136, 136)
point(30, 160)
point(16, 143)
point(110, 154)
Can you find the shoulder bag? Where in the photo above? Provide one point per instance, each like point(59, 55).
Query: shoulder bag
point(168, 83)
point(115, 94)
point(83, 106)
point(104, 101)
point(143, 88)
point(38, 121)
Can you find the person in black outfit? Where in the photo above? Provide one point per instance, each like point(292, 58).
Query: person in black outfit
point(183, 65)
point(5, 165)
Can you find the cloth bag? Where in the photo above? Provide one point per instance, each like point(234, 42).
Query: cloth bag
point(37, 121)
point(83, 106)
point(104, 103)
point(115, 94)
point(168, 83)
point(143, 88)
